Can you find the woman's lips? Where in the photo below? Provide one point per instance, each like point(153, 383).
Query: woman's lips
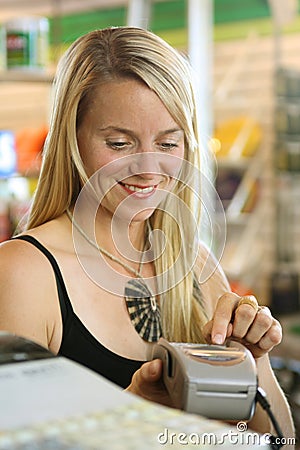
point(138, 190)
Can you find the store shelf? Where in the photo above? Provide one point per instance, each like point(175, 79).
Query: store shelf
point(244, 88)
point(255, 254)
point(11, 8)
point(28, 75)
point(234, 163)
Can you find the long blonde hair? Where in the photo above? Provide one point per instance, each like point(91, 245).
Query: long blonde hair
point(101, 56)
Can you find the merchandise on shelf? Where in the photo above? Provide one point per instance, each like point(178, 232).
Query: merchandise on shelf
point(285, 280)
point(287, 116)
point(287, 153)
point(15, 198)
point(285, 291)
point(8, 159)
point(287, 83)
point(287, 120)
point(236, 142)
point(239, 137)
point(29, 143)
point(237, 192)
point(20, 158)
point(2, 48)
point(27, 43)
point(239, 184)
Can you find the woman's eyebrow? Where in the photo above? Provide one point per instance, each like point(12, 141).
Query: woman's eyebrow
point(112, 128)
point(128, 131)
point(171, 131)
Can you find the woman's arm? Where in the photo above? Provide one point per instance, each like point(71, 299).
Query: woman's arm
point(275, 396)
point(26, 283)
point(259, 332)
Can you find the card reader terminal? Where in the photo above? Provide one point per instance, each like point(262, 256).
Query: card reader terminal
point(216, 381)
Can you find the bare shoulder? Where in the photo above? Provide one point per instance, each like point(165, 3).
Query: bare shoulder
point(26, 281)
point(18, 258)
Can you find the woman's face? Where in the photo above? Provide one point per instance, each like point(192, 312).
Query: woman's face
point(127, 129)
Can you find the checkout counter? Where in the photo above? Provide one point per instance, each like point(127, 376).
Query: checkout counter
point(50, 402)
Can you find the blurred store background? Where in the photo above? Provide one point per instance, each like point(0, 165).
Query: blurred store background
point(246, 57)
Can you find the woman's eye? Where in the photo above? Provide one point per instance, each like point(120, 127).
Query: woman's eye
point(168, 145)
point(118, 145)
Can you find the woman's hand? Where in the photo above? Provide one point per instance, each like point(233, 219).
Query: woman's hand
point(147, 383)
point(253, 326)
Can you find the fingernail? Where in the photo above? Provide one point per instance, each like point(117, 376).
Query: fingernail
point(218, 339)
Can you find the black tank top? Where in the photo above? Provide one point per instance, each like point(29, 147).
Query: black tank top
point(78, 344)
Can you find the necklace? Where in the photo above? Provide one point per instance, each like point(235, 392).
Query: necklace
point(135, 272)
point(140, 301)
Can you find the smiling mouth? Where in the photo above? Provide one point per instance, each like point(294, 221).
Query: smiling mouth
point(139, 189)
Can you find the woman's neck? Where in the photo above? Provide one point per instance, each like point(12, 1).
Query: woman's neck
point(120, 237)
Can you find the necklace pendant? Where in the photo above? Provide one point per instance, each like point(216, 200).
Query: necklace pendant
point(153, 303)
point(141, 304)
point(143, 310)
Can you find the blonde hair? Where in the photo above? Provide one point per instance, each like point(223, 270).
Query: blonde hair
point(101, 56)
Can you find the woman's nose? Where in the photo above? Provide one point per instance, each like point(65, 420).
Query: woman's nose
point(146, 163)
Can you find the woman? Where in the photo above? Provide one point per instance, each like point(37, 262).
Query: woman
point(115, 191)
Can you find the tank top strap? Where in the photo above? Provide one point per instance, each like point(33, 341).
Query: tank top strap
point(65, 304)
